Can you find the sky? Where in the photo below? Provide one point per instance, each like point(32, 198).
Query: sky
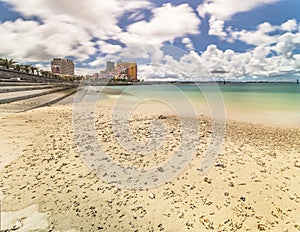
point(178, 40)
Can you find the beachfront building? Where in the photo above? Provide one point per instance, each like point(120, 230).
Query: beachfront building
point(110, 66)
point(120, 71)
point(62, 66)
point(126, 70)
point(132, 71)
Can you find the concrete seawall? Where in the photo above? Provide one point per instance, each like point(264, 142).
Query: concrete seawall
point(20, 91)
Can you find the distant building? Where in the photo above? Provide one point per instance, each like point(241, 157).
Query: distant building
point(106, 75)
point(120, 71)
point(132, 71)
point(127, 70)
point(62, 66)
point(96, 76)
point(110, 66)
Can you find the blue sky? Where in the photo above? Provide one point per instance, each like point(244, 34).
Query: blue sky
point(202, 39)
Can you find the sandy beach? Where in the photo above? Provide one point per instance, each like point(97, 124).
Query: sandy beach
point(46, 184)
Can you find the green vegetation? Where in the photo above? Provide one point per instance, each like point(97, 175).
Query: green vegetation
point(10, 64)
point(26, 68)
point(6, 63)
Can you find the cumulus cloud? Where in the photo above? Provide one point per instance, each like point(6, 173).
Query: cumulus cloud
point(108, 48)
point(64, 28)
point(188, 43)
point(257, 37)
point(144, 39)
point(103, 14)
point(272, 54)
point(225, 9)
point(32, 41)
point(283, 38)
point(167, 23)
point(286, 44)
point(216, 27)
point(216, 64)
point(290, 25)
point(266, 27)
point(220, 11)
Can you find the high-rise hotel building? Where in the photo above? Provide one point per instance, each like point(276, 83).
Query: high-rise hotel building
point(127, 68)
point(62, 66)
point(132, 71)
point(110, 66)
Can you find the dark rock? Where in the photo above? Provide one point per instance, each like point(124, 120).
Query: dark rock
point(231, 184)
point(162, 117)
point(160, 169)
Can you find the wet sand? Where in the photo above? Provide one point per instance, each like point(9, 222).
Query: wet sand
point(46, 184)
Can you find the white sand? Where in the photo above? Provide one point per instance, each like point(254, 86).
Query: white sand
point(27, 219)
point(253, 186)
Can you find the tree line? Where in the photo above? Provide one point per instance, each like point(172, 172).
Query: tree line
point(26, 68)
point(10, 64)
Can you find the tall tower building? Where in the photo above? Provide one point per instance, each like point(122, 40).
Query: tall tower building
point(132, 71)
point(62, 66)
point(110, 66)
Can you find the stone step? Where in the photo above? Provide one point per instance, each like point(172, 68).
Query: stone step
point(36, 102)
point(22, 95)
point(7, 84)
point(6, 89)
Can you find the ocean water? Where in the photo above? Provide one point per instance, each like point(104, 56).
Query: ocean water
point(276, 104)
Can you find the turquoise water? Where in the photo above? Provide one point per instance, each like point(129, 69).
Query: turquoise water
point(267, 103)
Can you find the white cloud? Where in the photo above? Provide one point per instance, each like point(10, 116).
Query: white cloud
point(266, 27)
point(290, 25)
point(103, 14)
point(144, 39)
point(65, 28)
point(108, 48)
point(225, 9)
point(220, 11)
point(86, 71)
point(146, 52)
point(287, 43)
point(31, 41)
point(216, 27)
point(188, 43)
point(80, 30)
point(214, 63)
point(272, 54)
point(265, 34)
point(257, 38)
point(167, 23)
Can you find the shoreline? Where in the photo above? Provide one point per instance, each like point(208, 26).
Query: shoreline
point(106, 83)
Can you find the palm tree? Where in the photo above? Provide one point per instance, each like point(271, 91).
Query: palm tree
point(43, 72)
point(46, 73)
point(26, 68)
point(18, 67)
point(2, 62)
point(32, 69)
point(7, 63)
point(10, 63)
